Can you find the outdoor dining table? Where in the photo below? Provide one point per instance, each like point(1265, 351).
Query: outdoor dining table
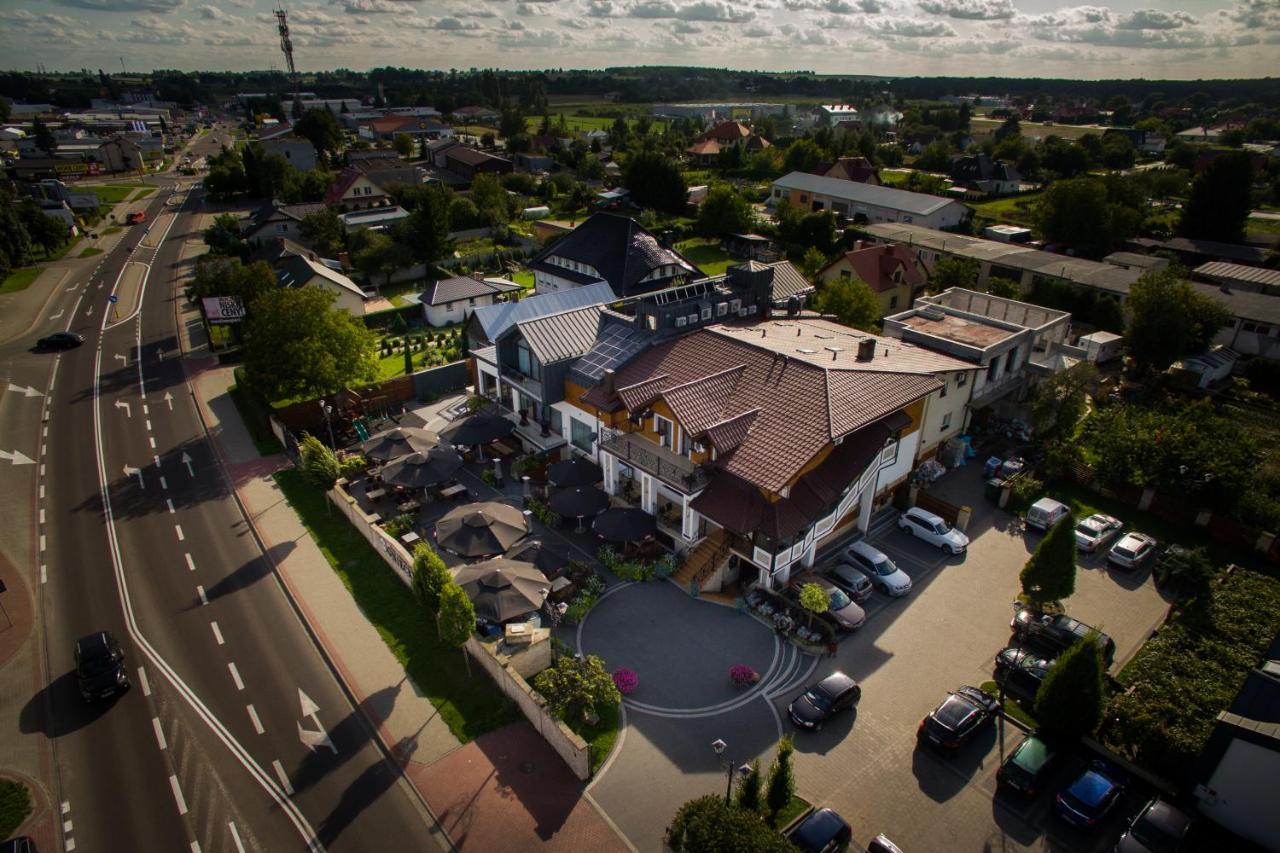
point(376, 494)
point(408, 506)
point(452, 491)
point(410, 537)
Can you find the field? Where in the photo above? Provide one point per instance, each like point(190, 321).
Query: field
point(1018, 209)
point(706, 255)
point(980, 127)
point(116, 193)
point(19, 279)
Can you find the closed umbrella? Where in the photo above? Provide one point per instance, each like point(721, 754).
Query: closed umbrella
point(480, 428)
point(578, 502)
point(398, 442)
point(574, 472)
point(419, 470)
point(481, 529)
point(625, 524)
point(502, 589)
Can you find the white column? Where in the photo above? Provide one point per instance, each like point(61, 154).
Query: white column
point(648, 494)
point(807, 559)
point(609, 465)
point(689, 521)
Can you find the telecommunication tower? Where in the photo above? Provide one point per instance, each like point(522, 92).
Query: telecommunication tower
point(286, 45)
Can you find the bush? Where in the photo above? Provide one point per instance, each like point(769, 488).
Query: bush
point(352, 465)
point(743, 675)
point(1023, 491)
point(15, 806)
point(1069, 701)
point(710, 825)
point(782, 781)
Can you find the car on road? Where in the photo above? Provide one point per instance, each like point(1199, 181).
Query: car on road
point(851, 580)
point(823, 831)
point(932, 529)
point(136, 217)
point(1095, 531)
point(879, 569)
point(965, 712)
point(824, 700)
point(1158, 828)
point(1088, 799)
point(843, 609)
point(1045, 513)
point(1021, 671)
point(1057, 632)
point(61, 340)
point(1133, 551)
point(100, 669)
point(1025, 769)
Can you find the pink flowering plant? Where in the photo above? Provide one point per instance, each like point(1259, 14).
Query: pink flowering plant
point(625, 680)
point(742, 675)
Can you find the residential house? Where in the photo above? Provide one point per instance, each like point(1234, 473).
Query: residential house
point(704, 153)
point(59, 191)
point(1239, 277)
point(298, 151)
point(452, 300)
point(388, 127)
point(612, 248)
point(858, 169)
point(470, 115)
point(979, 172)
point(1143, 141)
point(1199, 134)
point(893, 272)
point(59, 210)
point(274, 250)
point(303, 271)
point(353, 188)
point(867, 203)
point(830, 114)
point(466, 163)
point(387, 170)
point(728, 132)
point(435, 150)
point(526, 162)
point(1004, 339)
point(1193, 252)
point(278, 220)
point(120, 155)
point(752, 247)
point(375, 218)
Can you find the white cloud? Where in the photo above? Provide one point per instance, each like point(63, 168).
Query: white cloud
point(757, 31)
point(701, 10)
point(1154, 19)
point(602, 9)
point(971, 10)
point(124, 5)
point(685, 28)
point(914, 28)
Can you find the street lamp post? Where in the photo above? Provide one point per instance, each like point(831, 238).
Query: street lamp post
point(727, 763)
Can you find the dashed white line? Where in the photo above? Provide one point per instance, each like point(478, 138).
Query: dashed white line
point(235, 675)
point(44, 573)
point(217, 633)
point(155, 723)
point(42, 491)
point(157, 459)
point(195, 847)
point(177, 794)
point(284, 779)
point(42, 543)
point(144, 409)
point(200, 591)
point(163, 483)
point(169, 503)
point(142, 679)
point(152, 439)
point(42, 514)
point(66, 826)
point(66, 806)
point(44, 433)
point(253, 718)
point(178, 528)
point(191, 564)
point(71, 845)
point(235, 836)
point(41, 469)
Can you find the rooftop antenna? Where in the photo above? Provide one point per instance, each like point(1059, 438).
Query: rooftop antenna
point(286, 45)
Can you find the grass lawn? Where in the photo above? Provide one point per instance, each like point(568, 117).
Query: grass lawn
point(601, 736)
point(893, 179)
point(523, 278)
point(1012, 707)
point(707, 255)
point(114, 229)
point(19, 279)
point(143, 192)
point(793, 810)
point(113, 193)
point(90, 252)
point(469, 704)
point(15, 806)
point(255, 415)
point(1017, 208)
point(1270, 226)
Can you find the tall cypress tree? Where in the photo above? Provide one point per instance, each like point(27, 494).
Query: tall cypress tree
point(1050, 574)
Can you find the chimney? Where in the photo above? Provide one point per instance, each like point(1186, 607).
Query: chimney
point(608, 380)
point(345, 259)
point(858, 245)
point(866, 349)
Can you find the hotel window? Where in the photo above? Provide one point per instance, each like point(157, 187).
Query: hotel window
point(664, 429)
point(722, 309)
point(962, 380)
point(580, 435)
point(946, 421)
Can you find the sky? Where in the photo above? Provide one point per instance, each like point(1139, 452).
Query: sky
point(1182, 39)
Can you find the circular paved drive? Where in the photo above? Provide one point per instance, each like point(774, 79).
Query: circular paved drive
point(680, 648)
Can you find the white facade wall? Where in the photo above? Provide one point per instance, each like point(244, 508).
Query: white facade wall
point(455, 312)
point(944, 416)
point(1242, 791)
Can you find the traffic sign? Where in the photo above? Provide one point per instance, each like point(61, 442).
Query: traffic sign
point(113, 298)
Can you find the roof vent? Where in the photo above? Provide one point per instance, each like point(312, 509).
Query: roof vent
point(835, 352)
point(806, 350)
point(866, 349)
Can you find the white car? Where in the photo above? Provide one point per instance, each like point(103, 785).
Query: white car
point(932, 529)
point(1095, 531)
point(879, 569)
point(1132, 551)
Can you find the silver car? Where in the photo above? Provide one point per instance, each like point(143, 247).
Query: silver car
point(931, 528)
point(844, 575)
point(878, 568)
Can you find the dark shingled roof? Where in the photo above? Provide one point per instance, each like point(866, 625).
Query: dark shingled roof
point(621, 249)
point(461, 287)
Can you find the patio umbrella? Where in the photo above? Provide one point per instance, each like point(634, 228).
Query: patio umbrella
point(480, 428)
point(481, 529)
point(579, 501)
point(398, 442)
point(625, 524)
point(545, 559)
point(574, 472)
point(419, 470)
point(502, 589)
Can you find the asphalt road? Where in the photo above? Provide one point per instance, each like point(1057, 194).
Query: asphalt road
point(235, 735)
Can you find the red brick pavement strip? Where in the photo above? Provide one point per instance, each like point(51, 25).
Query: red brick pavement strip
point(509, 790)
point(16, 615)
point(42, 824)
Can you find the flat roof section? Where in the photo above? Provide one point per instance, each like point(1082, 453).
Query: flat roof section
point(958, 329)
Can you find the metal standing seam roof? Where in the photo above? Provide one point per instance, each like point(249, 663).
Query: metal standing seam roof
point(459, 287)
point(905, 201)
point(568, 334)
point(1239, 272)
point(496, 319)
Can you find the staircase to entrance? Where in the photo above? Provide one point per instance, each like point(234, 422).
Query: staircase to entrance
point(703, 561)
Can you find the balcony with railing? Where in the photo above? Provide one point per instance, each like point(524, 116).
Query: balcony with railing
point(671, 468)
point(992, 391)
point(527, 384)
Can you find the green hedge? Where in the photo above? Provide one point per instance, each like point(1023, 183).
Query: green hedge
point(15, 806)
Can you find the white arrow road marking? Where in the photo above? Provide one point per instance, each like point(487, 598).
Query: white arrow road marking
point(121, 404)
point(58, 315)
point(26, 392)
point(168, 398)
point(17, 457)
point(186, 460)
point(123, 358)
point(309, 707)
point(319, 737)
point(128, 472)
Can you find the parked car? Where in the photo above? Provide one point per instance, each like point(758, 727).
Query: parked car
point(100, 666)
point(1095, 531)
point(823, 831)
point(1021, 671)
point(878, 568)
point(932, 529)
point(824, 700)
point(1132, 551)
point(1087, 800)
point(965, 712)
point(881, 844)
point(1158, 828)
point(135, 218)
point(61, 340)
point(1025, 769)
point(1045, 513)
point(851, 580)
point(1057, 632)
point(848, 615)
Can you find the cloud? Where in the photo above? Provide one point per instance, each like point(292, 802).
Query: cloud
point(971, 10)
point(375, 7)
point(685, 28)
point(702, 10)
point(124, 5)
point(653, 9)
point(602, 9)
point(530, 38)
point(453, 24)
point(914, 28)
point(757, 31)
point(1154, 19)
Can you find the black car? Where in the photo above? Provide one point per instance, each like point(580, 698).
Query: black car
point(965, 712)
point(1026, 767)
point(1088, 799)
point(824, 700)
point(1158, 828)
point(1057, 632)
point(1021, 671)
point(822, 831)
point(100, 666)
point(61, 340)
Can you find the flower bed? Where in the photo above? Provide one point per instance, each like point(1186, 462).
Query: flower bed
point(636, 570)
point(789, 619)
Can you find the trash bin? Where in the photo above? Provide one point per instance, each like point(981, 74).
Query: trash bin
point(993, 488)
point(992, 465)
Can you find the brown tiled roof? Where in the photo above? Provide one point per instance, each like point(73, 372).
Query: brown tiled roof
point(876, 265)
point(706, 146)
point(729, 433)
point(640, 394)
point(701, 403)
point(856, 399)
point(729, 131)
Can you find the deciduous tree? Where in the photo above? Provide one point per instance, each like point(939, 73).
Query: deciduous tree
point(1061, 400)
point(1169, 318)
point(319, 127)
point(851, 301)
point(456, 619)
point(724, 211)
point(575, 686)
point(1220, 199)
point(954, 272)
point(813, 599)
point(324, 231)
point(709, 825)
point(403, 144)
point(782, 781)
point(430, 577)
point(655, 181)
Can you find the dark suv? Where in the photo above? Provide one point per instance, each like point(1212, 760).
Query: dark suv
point(100, 666)
point(1057, 632)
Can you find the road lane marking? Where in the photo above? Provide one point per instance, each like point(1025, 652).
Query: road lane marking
point(217, 633)
point(45, 432)
point(157, 458)
point(42, 543)
point(178, 527)
point(191, 564)
point(200, 592)
point(155, 723)
point(142, 679)
point(195, 847)
point(284, 780)
point(41, 469)
point(42, 491)
point(152, 439)
point(235, 836)
point(66, 826)
point(42, 513)
point(144, 411)
point(177, 794)
point(169, 502)
point(71, 845)
point(44, 573)
point(235, 675)
point(163, 483)
point(253, 717)
point(66, 806)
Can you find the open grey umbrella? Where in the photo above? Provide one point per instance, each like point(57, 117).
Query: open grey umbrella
point(419, 470)
point(481, 529)
point(480, 428)
point(579, 502)
point(574, 472)
point(398, 442)
point(502, 589)
point(625, 524)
